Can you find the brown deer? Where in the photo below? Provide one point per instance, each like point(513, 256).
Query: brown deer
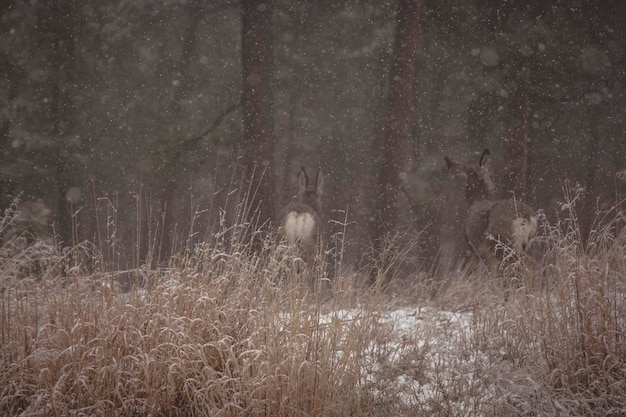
point(301, 221)
point(495, 230)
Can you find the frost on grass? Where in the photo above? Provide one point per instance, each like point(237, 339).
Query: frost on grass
point(425, 363)
point(229, 333)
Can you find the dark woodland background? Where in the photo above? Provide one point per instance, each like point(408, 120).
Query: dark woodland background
point(132, 123)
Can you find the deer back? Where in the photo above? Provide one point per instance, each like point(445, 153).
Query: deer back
point(490, 222)
point(300, 220)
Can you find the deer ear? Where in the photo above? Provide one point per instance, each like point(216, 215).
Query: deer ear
point(485, 157)
point(456, 167)
point(319, 181)
point(303, 179)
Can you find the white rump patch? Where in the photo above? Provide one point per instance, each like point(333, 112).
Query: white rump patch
point(523, 230)
point(299, 226)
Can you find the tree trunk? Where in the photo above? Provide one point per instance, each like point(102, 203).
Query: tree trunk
point(396, 144)
point(183, 73)
point(588, 209)
point(257, 102)
point(517, 150)
point(14, 75)
point(57, 25)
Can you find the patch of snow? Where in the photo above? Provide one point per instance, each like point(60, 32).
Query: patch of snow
point(423, 360)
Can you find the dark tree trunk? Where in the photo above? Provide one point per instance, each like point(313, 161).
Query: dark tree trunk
point(257, 102)
point(516, 137)
point(588, 209)
point(287, 168)
point(14, 75)
point(183, 73)
point(57, 25)
point(395, 145)
point(164, 251)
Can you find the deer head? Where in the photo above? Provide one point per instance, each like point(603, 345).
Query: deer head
point(478, 182)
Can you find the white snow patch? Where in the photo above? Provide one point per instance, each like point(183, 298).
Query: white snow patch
point(423, 361)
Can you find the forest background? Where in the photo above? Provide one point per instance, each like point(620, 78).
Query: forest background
point(142, 117)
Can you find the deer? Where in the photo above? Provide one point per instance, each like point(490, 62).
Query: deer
point(496, 230)
point(301, 221)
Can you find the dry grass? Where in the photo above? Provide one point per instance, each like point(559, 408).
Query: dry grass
point(226, 329)
point(562, 344)
point(219, 332)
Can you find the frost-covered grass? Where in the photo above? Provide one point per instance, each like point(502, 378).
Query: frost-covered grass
point(227, 330)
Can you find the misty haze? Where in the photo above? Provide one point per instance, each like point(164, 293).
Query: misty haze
point(292, 207)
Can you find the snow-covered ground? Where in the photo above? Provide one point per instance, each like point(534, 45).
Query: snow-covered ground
point(431, 362)
point(423, 360)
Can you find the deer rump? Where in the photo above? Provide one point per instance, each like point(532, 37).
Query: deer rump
point(492, 224)
point(300, 225)
point(301, 222)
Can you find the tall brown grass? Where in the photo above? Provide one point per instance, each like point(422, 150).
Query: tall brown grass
point(226, 328)
point(558, 346)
